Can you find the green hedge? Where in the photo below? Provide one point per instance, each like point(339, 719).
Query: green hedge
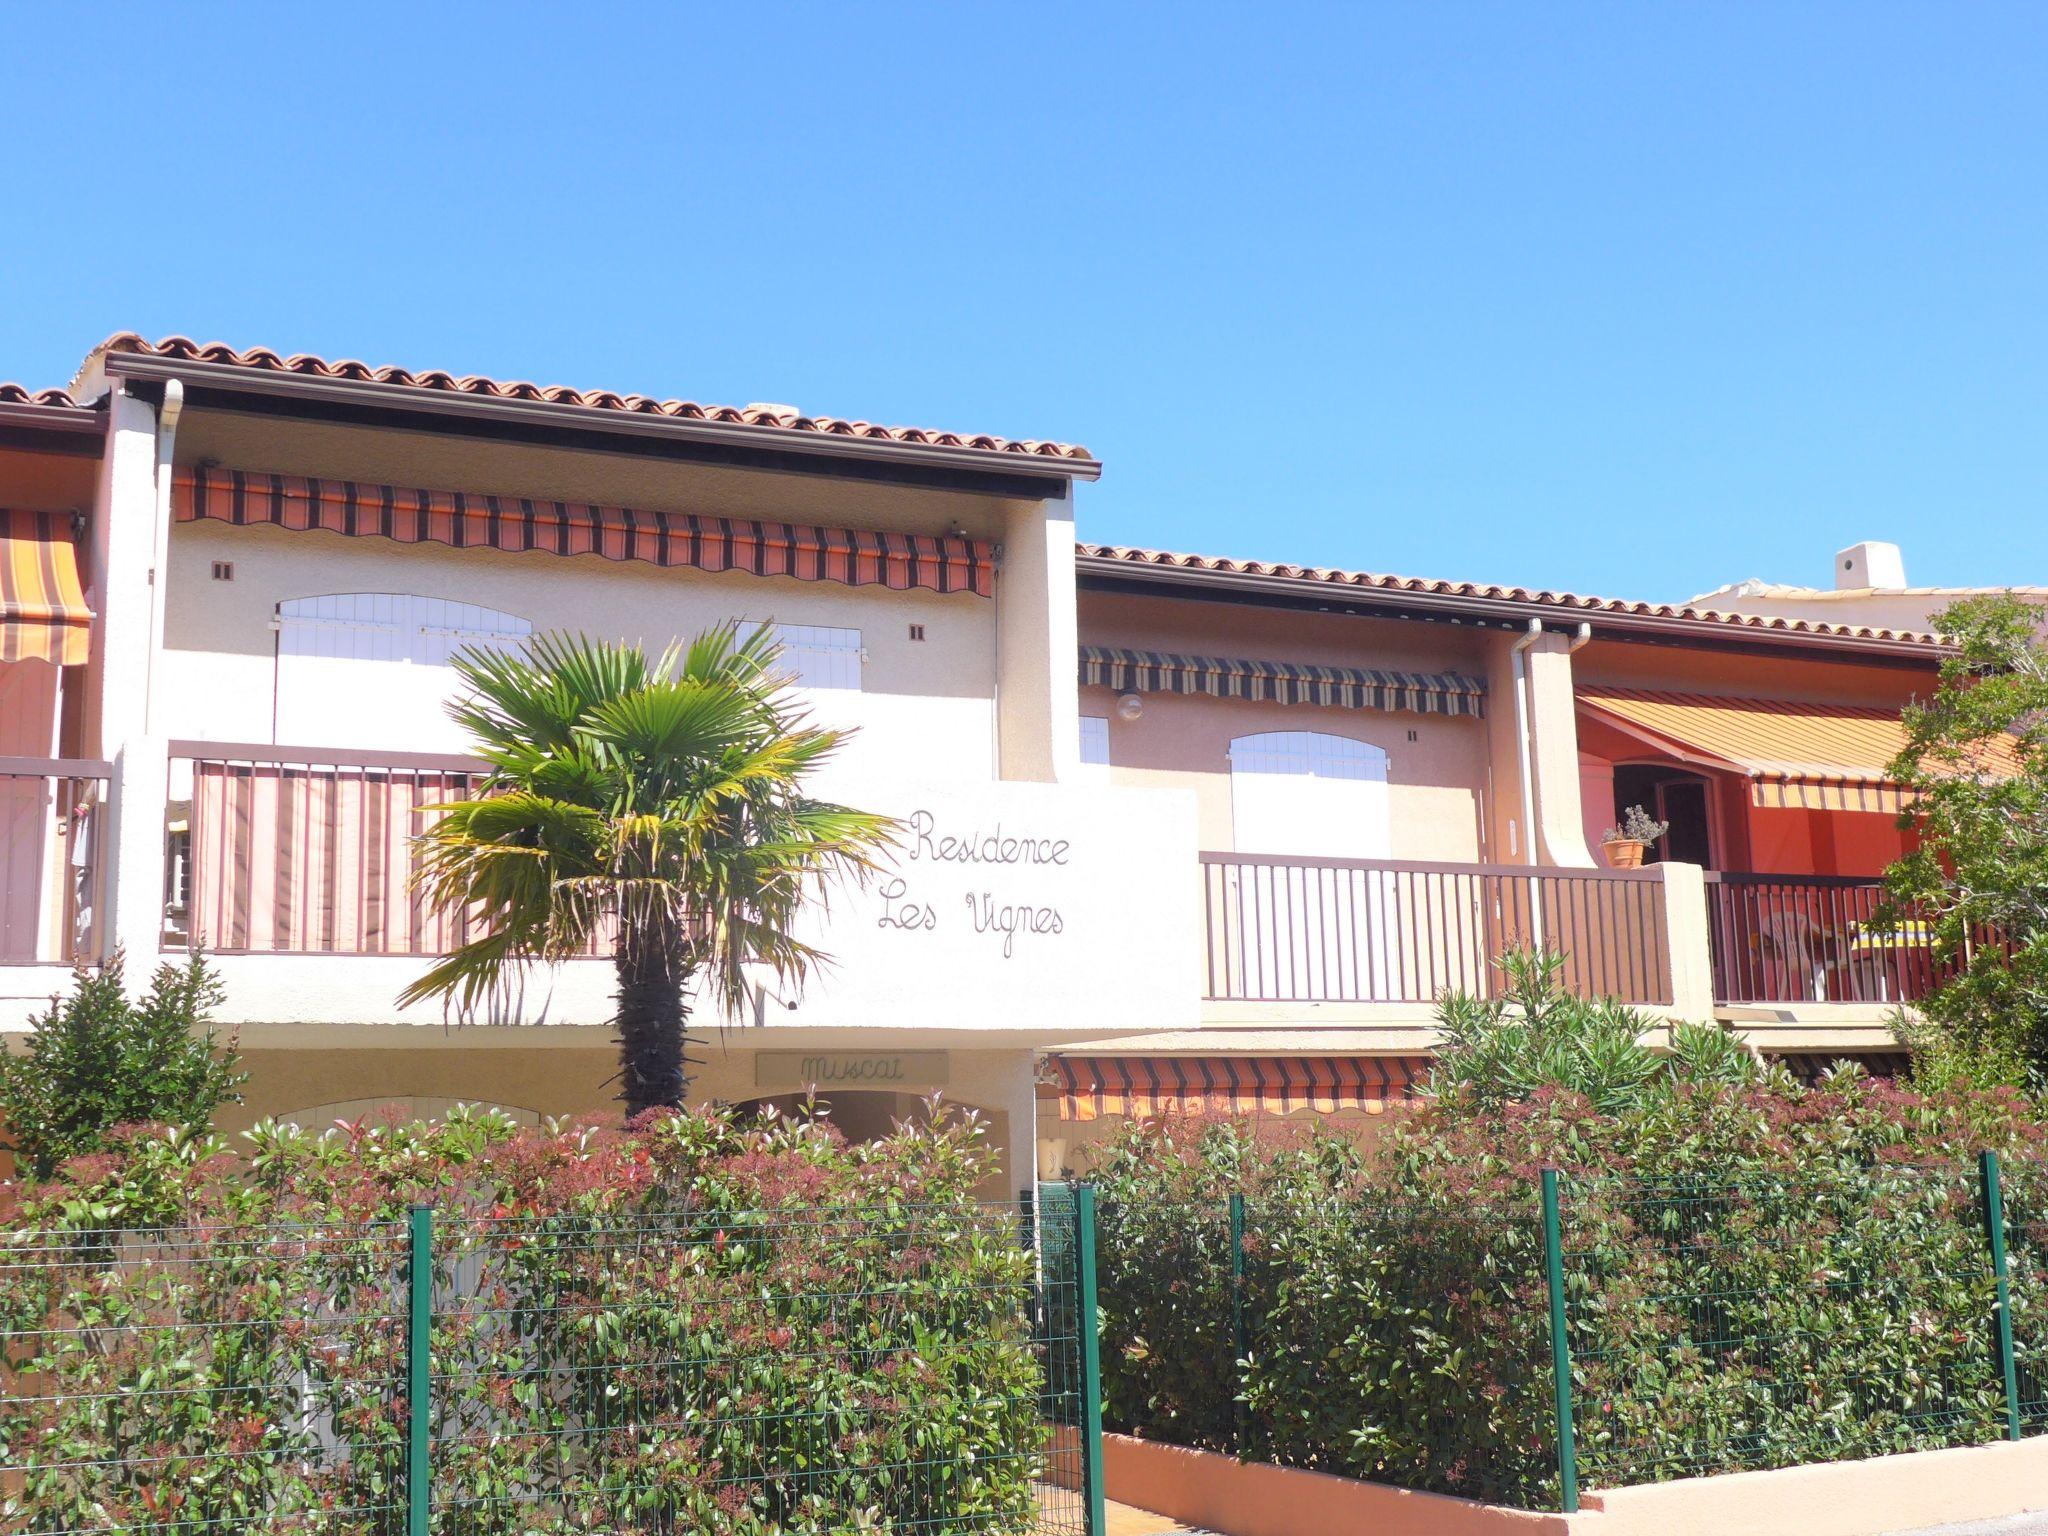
point(1756, 1275)
point(697, 1325)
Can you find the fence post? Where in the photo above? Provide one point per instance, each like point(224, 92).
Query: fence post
point(1560, 1349)
point(1239, 1346)
point(1086, 1314)
point(1994, 1226)
point(419, 1314)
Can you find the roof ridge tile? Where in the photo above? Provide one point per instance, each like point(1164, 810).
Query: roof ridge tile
point(1224, 565)
point(267, 360)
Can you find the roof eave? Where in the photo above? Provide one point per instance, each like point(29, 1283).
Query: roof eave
point(371, 394)
point(1605, 624)
point(39, 417)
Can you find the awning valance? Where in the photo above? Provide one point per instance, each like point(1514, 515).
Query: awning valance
point(1821, 757)
point(43, 616)
point(1811, 1066)
point(699, 541)
point(1090, 1087)
point(1281, 682)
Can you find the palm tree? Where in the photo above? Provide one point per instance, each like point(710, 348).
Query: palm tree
point(655, 806)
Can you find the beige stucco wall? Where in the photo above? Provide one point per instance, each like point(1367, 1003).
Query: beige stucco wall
point(1438, 768)
point(534, 1073)
point(1617, 664)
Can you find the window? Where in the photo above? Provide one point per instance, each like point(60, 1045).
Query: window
point(820, 656)
point(1095, 739)
point(1304, 792)
point(371, 669)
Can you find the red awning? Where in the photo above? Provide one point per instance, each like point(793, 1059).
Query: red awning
point(43, 616)
point(1796, 755)
point(1092, 1087)
point(471, 520)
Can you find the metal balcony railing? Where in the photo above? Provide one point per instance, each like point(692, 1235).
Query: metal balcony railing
point(52, 811)
point(1815, 939)
point(1308, 930)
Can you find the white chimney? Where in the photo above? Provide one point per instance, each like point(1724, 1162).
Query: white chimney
point(1870, 565)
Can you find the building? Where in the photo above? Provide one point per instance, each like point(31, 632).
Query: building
point(1178, 831)
point(1870, 588)
point(1395, 779)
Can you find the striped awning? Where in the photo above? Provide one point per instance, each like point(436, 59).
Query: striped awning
point(1281, 682)
point(43, 616)
point(1091, 1087)
point(1810, 1066)
point(697, 541)
point(1801, 756)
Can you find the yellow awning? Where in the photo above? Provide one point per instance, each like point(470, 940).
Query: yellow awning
point(43, 616)
point(1820, 757)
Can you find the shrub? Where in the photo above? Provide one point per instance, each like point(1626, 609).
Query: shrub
point(1531, 1034)
point(694, 1324)
point(1757, 1274)
point(96, 1061)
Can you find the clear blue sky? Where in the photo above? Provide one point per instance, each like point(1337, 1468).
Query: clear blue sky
point(1631, 299)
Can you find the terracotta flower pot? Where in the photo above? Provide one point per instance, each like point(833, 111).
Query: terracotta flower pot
point(1624, 852)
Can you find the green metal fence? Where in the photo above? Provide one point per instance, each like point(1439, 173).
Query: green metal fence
point(1700, 1326)
point(1631, 1330)
point(914, 1370)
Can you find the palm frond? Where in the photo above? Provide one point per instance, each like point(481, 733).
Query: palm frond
point(661, 801)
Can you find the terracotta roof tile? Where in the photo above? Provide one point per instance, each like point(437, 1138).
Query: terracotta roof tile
point(21, 394)
point(1535, 598)
point(601, 400)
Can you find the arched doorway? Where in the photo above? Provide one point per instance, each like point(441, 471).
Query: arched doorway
point(861, 1114)
point(1311, 931)
point(406, 1108)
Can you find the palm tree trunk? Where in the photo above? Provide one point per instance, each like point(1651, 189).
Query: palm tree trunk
point(653, 1021)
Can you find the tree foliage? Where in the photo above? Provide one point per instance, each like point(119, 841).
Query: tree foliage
point(1531, 1034)
point(655, 805)
point(97, 1061)
point(1977, 762)
point(697, 1326)
point(1758, 1275)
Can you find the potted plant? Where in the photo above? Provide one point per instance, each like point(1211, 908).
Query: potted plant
point(1624, 845)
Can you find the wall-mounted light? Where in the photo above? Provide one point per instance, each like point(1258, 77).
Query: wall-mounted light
point(1129, 706)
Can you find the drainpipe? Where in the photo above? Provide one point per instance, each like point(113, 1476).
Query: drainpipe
point(166, 443)
point(1521, 675)
point(995, 692)
point(1521, 681)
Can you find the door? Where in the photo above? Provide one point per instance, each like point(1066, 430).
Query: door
point(29, 846)
point(1311, 931)
point(1683, 804)
point(372, 669)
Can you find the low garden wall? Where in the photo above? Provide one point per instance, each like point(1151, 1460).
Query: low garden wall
point(1217, 1493)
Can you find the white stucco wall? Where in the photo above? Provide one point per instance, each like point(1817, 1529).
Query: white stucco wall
point(924, 706)
point(1055, 913)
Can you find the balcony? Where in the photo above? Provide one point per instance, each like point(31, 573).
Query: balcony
point(50, 857)
point(1304, 930)
point(1307, 931)
point(1780, 939)
point(1022, 911)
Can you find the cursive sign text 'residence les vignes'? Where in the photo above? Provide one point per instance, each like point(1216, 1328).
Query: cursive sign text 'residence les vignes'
point(906, 909)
